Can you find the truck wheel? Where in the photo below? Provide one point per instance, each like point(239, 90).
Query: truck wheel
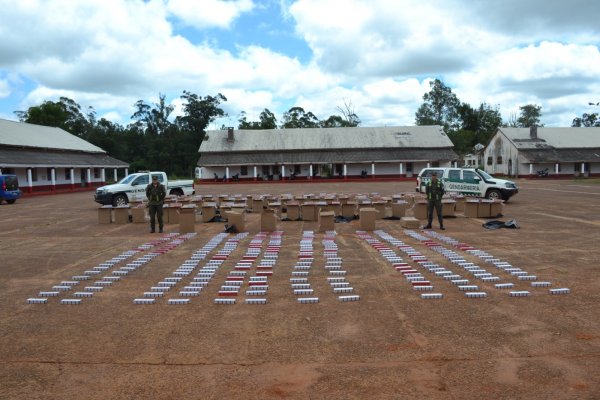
point(494, 194)
point(119, 200)
point(177, 192)
point(11, 201)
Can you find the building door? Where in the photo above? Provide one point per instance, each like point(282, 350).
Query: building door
point(83, 176)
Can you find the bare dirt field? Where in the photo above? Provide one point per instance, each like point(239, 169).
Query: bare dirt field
point(391, 344)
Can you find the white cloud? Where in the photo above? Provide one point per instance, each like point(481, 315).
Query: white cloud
point(4, 88)
point(378, 54)
point(203, 14)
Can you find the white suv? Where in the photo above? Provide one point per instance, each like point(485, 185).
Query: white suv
point(469, 182)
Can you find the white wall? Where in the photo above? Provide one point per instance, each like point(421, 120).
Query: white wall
point(387, 168)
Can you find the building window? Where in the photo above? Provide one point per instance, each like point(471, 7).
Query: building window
point(34, 175)
point(68, 174)
point(265, 170)
point(244, 170)
point(409, 167)
point(297, 170)
point(489, 160)
point(49, 174)
point(499, 160)
point(96, 173)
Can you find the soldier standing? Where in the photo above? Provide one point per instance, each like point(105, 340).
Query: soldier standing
point(435, 191)
point(156, 193)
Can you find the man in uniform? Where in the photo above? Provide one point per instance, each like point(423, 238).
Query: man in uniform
point(435, 191)
point(156, 193)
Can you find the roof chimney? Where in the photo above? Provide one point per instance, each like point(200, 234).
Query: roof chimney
point(230, 137)
point(533, 132)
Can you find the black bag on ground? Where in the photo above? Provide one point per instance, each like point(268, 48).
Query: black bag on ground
point(496, 224)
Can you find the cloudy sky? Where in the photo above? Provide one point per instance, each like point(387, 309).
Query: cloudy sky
point(377, 55)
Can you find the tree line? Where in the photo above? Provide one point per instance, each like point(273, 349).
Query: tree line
point(153, 140)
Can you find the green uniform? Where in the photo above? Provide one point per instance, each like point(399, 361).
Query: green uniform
point(156, 198)
point(434, 191)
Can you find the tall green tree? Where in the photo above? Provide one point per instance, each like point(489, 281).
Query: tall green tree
point(483, 122)
point(334, 121)
point(296, 117)
point(440, 107)
point(463, 141)
point(65, 114)
point(267, 120)
point(587, 121)
point(154, 120)
point(199, 112)
point(530, 115)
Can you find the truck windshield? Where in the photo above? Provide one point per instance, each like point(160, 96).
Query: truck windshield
point(485, 175)
point(127, 179)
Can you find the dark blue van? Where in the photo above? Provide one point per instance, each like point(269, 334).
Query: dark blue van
point(9, 188)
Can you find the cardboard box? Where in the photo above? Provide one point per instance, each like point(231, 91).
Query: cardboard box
point(308, 211)
point(326, 221)
point(105, 214)
point(187, 218)
point(471, 208)
point(257, 204)
point(165, 213)
point(121, 214)
point(173, 212)
point(209, 211)
point(327, 207)
point(399, 208)
point(483, 209)
point(293, 210)
point(459, 207)
point(420, 209)
point(496, 208)
point(268, 221)
point(380, 207)
point(367, 218)
point(336, 207)
point(448, 207)
point(239, 207)
point(410, 223)
point(225, 207)
point(138, 214)
point(349, 209)
point(236, 219)
point(275, 205)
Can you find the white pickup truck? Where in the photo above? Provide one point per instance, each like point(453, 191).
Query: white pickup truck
point(133, 188)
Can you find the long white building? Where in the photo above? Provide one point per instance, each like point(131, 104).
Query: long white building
point(323, 153)
point(48, 159)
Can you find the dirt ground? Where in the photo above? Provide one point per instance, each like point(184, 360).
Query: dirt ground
point(389, 345)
